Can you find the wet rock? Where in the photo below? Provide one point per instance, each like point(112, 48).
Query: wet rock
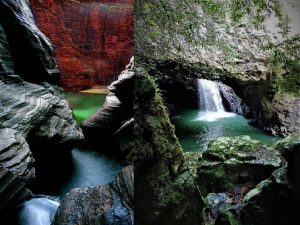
point(36, 121)
point(232, 102)
point(288, 145)
point(110, 204)
point(235, 164)
point(290, 149)
point(37, 112)
point(278, 115)
point(213, 202)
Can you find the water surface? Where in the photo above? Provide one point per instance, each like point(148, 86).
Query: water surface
point(195, 129)
point(84, 105)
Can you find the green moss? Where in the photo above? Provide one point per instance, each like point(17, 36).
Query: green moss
point(285, 144)
point(285, 66)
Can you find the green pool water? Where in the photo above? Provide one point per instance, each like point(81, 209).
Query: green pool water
point(195, 129)
point(84, 105)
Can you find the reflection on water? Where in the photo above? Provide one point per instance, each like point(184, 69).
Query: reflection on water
point(85, 105)
point(90, 168)
point(195, 129)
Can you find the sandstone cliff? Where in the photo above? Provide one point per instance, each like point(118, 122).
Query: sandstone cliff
point(93, 39)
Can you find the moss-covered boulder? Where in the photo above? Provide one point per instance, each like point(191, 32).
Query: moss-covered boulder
point(274, 200)
point(235, 164)
point(269, 203)
point(288, 144)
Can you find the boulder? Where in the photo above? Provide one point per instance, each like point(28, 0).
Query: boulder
point(270, 202)
point(234, 165)
point(274, 200)
point(109, 204)
point(232, 102)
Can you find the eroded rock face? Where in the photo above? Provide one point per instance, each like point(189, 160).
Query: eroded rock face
point(12, 192)
point(31, 50)
point(15, 154)
point(93, 39)
point(115, 116)
point(232, 102)
point(110, 204)
point(276, 114)
point(35, 118)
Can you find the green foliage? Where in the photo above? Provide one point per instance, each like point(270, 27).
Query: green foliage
point(285, 65)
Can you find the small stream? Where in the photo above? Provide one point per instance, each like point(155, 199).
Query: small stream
point(88, 168)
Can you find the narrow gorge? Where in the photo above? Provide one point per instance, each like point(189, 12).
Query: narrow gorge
point(49, 165)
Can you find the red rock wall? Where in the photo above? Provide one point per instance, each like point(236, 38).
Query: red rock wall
point(93, 39)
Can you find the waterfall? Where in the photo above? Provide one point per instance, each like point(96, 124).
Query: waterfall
point(37, 211)
point(209, 96)
point(210, 101)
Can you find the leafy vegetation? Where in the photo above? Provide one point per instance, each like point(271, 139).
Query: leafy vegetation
point(285, 65)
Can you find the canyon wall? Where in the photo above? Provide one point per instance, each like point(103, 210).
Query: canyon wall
point(93, 39)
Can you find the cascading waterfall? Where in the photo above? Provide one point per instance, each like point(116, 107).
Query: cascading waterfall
point(37, 211)
point(210, 101)
point(209, 96)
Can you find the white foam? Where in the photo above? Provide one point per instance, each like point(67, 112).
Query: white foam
point(37, 211)
point(213, 116)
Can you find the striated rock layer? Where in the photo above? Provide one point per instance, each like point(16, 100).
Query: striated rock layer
point(114, 120)
point(93, 39)
point(35, 118)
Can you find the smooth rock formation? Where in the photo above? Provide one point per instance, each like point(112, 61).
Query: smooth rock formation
point(36, 111)
point(93, 39)
point(31, 50)
point(110, 204)
point(114, 116)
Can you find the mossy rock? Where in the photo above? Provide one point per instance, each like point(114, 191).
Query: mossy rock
point(233, 163)
point(287, 144)
point(269, 203)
